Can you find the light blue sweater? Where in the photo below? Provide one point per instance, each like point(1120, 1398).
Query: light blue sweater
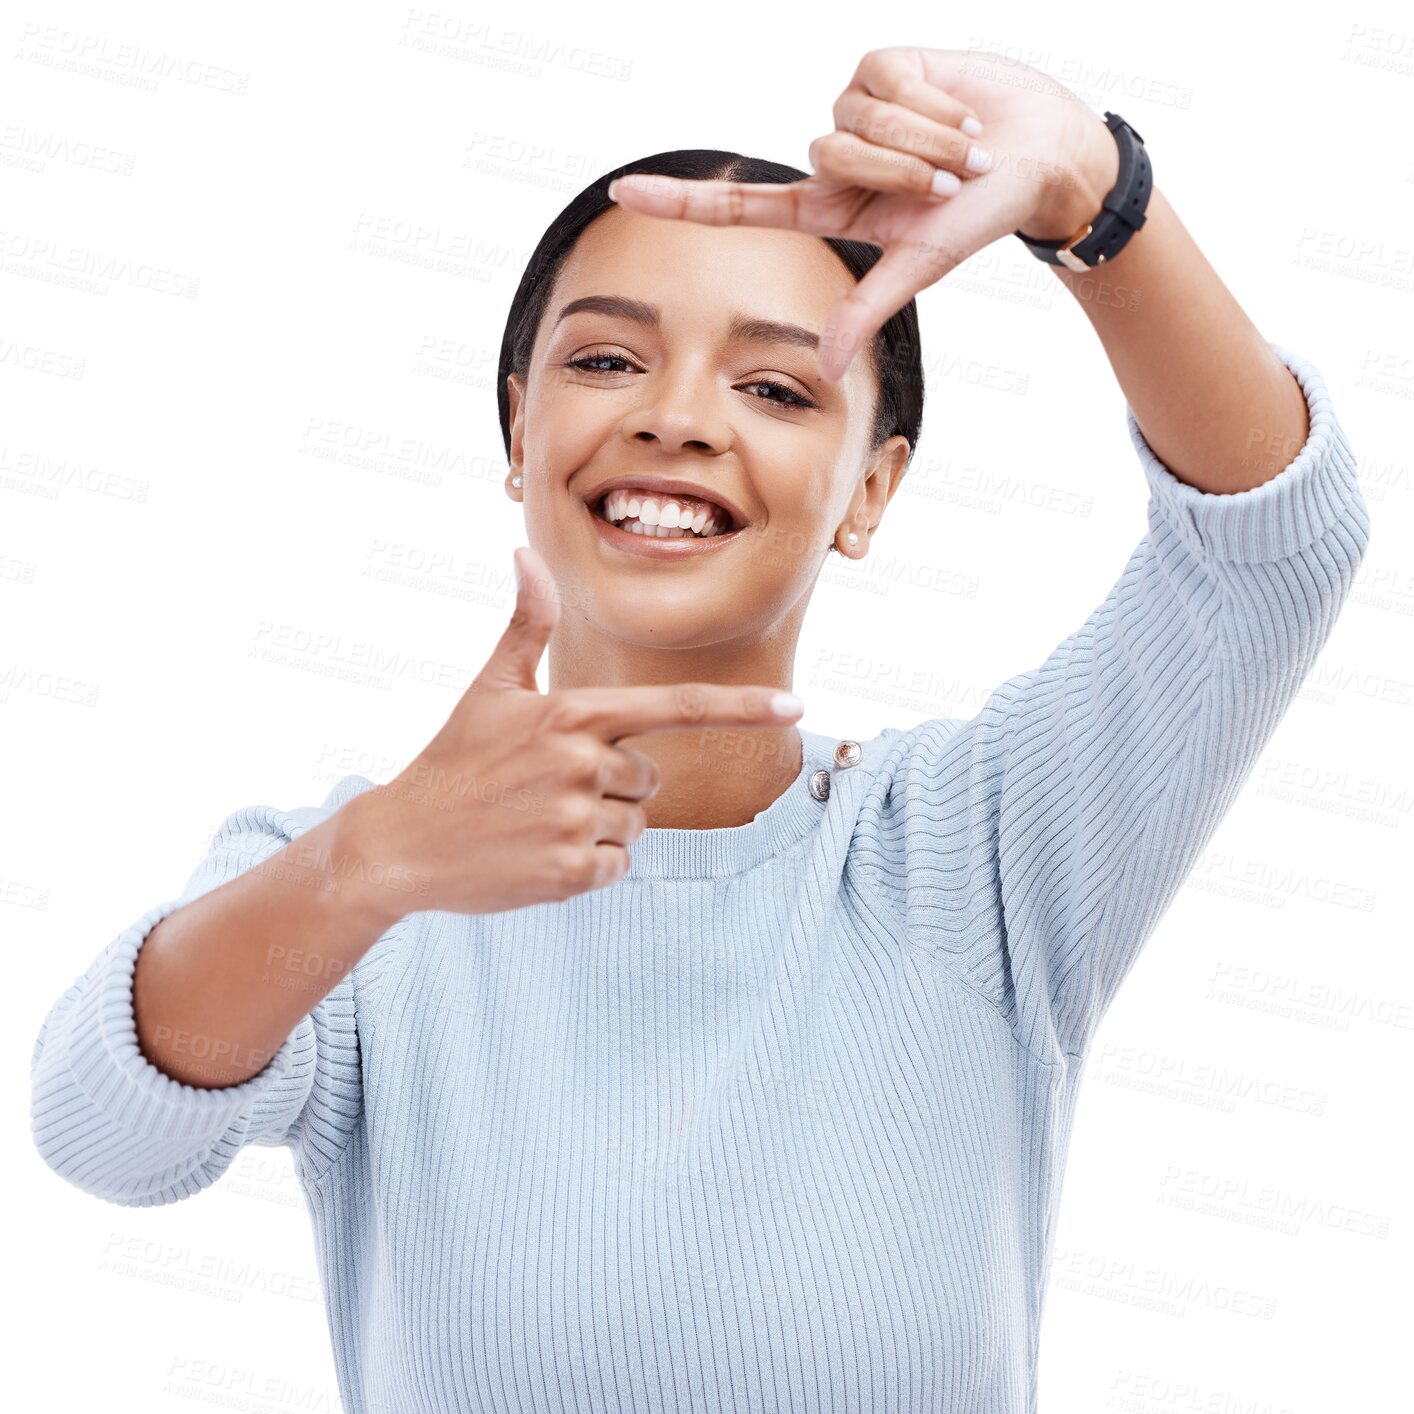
point(779, 1121)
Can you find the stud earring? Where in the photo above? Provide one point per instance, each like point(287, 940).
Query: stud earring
point(852, 538)
point(515, 481)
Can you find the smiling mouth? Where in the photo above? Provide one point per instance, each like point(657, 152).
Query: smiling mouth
point(662, 517)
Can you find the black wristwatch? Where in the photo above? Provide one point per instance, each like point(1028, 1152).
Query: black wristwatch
point(1121, 213)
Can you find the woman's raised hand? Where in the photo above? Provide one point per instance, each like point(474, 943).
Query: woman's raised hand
point(898, 126)
point(526, 797)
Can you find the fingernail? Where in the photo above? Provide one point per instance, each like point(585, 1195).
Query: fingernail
point(786, 704)
point(978, 160)
point(971, 126)
point(946, 183)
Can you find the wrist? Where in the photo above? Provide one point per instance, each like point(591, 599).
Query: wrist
point(370, 882)
point(1074, 196)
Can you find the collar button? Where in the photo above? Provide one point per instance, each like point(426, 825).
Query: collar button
point(848, 753)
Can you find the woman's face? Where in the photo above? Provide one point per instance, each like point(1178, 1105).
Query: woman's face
point(655, 380)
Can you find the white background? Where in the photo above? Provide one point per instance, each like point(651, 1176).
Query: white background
point(163, 516)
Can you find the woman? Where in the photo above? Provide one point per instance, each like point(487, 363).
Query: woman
point(735, 1068)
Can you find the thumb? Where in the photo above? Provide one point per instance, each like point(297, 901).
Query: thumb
point(886, 288)
point(518, 652)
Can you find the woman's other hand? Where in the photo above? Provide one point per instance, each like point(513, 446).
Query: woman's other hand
point(526, 797)
point(899, 124)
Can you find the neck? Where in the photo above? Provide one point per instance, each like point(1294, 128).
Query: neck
point(712, 777)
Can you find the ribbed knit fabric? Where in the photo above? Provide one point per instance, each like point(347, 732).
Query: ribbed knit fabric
point(778, 1122)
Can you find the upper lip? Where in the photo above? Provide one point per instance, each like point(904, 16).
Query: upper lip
point(669, 486)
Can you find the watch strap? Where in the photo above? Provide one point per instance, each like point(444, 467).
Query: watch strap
point(1121, 213)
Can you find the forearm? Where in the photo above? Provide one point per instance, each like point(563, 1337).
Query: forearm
point(221, 982)
point(1217, 406)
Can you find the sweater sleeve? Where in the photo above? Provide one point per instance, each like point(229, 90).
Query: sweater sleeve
point(1032, 849)
point(110, 1122)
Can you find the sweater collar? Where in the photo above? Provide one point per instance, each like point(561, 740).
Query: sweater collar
point(733, 849)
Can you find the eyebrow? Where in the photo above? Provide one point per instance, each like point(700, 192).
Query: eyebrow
point(759, 331)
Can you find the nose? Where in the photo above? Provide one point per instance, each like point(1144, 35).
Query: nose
point(679, 414)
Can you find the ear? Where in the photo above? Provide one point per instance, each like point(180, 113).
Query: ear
point(885, 472)
point(515, 395)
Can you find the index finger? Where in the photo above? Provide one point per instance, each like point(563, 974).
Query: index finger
point(614, 712)
point(715, 203)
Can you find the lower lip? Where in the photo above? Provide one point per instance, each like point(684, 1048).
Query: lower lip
point(657, 547)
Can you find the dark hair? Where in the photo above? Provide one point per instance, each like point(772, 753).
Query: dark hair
point(894, 350)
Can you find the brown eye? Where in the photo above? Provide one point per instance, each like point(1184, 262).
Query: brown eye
point(793, 399)
point(585, 360)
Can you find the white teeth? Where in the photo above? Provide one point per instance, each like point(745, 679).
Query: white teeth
point(662, 517)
